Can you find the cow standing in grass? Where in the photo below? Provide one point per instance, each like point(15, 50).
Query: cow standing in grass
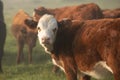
point(2, 34)
point(24, 35)
point(80, 12)
point(92, 46)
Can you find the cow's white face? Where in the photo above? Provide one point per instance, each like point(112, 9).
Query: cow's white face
point(47, 29)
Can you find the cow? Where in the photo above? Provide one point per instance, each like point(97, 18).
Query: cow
point(115, 13)
point(2, 34)
point(23, 35)
point(91, 46)
point(79, 12)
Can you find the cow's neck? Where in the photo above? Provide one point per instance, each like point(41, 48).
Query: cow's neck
point(64, 39)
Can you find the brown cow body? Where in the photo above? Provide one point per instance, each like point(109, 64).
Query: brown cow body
point(85, 46)
point(92, 46)
point(111, 13)
point(2, 34)
point(23, 35)
point(80, 12)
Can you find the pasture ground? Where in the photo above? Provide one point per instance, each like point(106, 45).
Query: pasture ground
point(41, 68)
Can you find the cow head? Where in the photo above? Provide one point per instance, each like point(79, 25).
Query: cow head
point(47, 30)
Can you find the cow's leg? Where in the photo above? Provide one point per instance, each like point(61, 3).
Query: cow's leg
point(85, 77)
point(113, 61)
point(1, 54)
point(2, 42)
point(70, 68)
point(55, 69)
point(70, 74)
point(20, 51)
point(30, 54)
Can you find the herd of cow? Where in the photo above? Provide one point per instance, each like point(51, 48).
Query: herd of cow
point(81, 39)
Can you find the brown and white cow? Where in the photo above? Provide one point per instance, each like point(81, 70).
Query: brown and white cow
point(23, 35)
point(80, 12)
point(92, 46)
point(2, 34)
point(115, 13)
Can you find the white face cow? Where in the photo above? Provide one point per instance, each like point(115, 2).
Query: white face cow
point(47, 29)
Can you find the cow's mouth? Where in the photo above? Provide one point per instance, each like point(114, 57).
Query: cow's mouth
point(46, 43)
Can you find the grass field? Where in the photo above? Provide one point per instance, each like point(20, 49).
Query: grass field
point(41, 68)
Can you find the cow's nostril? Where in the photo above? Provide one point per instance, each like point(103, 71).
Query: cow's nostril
point(48, 39)
point(45, 39)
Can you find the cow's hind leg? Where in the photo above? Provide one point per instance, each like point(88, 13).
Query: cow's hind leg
point(85, 77)
point(20, 52)
point(30, 54)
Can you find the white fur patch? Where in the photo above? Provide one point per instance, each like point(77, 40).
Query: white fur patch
point(46, 26)
point(58, 63)
point(100, 71)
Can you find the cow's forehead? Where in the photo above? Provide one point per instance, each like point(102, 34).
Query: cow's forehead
point(49, 22)
point(42, 25)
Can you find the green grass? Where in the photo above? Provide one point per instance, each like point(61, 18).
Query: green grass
point(41, 68)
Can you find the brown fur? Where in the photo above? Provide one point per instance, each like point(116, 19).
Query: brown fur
point(111, 13)
point(2, 34)
point(80, 45)
point(23, 35)
point(80, 12)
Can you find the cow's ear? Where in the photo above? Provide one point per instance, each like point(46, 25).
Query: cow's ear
point(31, 23)
point(36, 11)
point(39, 8)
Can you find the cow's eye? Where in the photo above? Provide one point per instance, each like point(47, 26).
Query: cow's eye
point(39, 29)
point(54, 30)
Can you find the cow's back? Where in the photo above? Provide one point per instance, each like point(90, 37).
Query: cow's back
point(21, 31)
point(80, 12)
point(18, 23)
point(111, 13)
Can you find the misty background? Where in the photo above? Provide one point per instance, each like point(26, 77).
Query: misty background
point(11, 7)
point(39, 70)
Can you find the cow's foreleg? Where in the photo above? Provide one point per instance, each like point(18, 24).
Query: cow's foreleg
point(85, 77)
point(1, 61)
point(1, 54)
point(55, 69)
point(70, 74)
point(70, 68)
point(113, 61)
